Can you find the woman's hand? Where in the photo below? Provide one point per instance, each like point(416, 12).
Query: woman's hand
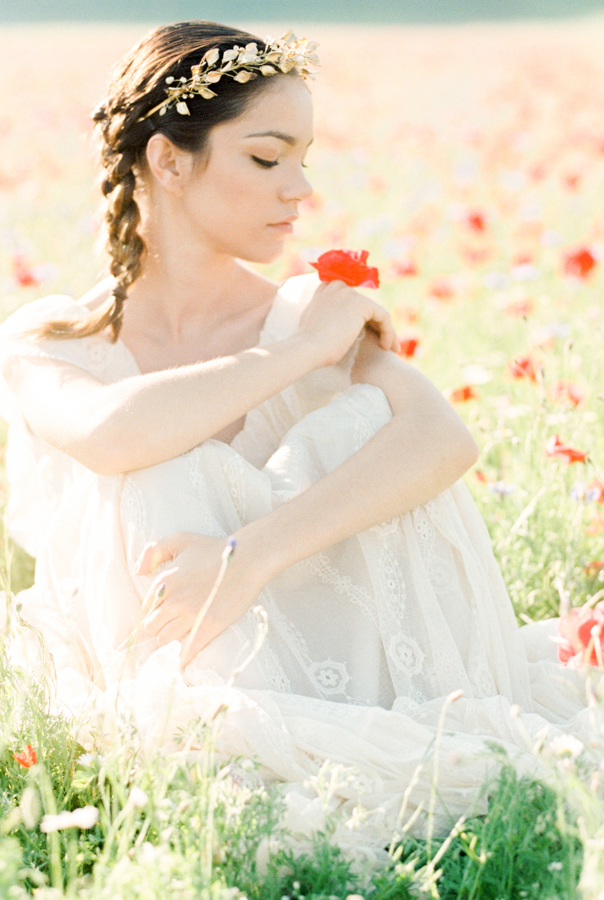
point(179, 591)
point(336, 316)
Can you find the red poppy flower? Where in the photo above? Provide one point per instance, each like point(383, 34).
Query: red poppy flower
point(27, 758)
point(349, 266)
point(579, 263)
point(556, 448)
point(410, 314)
point(480, 476)
point(463, 394)
point(520, 308)
point(523, 367)
point(592, 568)
point(23, 273)
point(442, 289)
point(408, 346)
point(582, 636)
point(405, 268)
point(476, 220)
point(569, 391)
point(571, 180)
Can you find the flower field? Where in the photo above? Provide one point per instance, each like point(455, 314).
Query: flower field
point(469, 162)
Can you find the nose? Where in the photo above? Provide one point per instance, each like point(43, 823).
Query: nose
point(298, 188)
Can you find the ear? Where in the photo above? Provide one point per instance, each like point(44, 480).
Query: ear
point(168, 165)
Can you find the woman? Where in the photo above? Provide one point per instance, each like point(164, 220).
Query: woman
point(189, 399)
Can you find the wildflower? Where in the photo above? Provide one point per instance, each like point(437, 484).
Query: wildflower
point(405, 269)
point(442, 289)
point(597, 485)
point(582, 493)
point(23, 273)
point(480, 476)
point(409, 314)
point(555, 447)
point(566, 745)
point(579, 263)
point(597, 524)
point(27, 758)
point(592, 568)
point(581, 638)
point(520, 309)
point(476, 220)
point(408, 346)
point(138, 798)
point(85, 817)
point(463, 394)
point(569, 391)
point(349, 266)
point(524, 367)
point(501, 488)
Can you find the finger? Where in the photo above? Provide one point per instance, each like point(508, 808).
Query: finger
point(156, 620)
point(157, 552)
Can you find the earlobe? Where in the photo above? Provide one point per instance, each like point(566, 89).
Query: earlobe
point(167, 164)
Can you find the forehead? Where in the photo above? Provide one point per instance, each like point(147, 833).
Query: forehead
point(284, 106)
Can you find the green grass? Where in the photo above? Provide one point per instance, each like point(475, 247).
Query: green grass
point(197, 828)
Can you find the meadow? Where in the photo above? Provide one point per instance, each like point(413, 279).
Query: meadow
point(469, 161)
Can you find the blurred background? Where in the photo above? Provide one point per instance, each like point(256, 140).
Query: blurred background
point(369, 11)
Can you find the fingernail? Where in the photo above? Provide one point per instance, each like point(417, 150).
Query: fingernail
point(160, 591)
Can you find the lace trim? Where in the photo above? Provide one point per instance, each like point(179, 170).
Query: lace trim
point(234, 473)
point(319, 565)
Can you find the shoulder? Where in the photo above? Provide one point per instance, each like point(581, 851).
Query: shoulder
point(33, 314)
point(299, 289)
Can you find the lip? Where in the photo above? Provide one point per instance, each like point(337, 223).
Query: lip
point(286, 226)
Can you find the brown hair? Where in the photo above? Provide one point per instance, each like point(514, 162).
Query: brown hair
point(136, 87)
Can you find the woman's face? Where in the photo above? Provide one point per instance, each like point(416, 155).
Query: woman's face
point(242, 197)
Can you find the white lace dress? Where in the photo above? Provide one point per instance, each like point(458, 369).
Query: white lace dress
point(365, 639)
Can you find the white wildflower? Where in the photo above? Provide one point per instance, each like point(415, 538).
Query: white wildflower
point(138, 798)
point(85, 817)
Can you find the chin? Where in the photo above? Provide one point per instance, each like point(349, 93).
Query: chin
point(263, 255)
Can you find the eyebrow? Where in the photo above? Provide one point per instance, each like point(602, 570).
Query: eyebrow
point(280, 135)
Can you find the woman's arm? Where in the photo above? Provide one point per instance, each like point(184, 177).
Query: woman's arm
point(422, 451)
point(419, 453)
point(146, 419)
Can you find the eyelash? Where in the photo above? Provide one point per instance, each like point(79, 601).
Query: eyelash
point(270, 163)
point(265, 163)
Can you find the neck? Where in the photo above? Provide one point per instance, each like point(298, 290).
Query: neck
point(184, 284)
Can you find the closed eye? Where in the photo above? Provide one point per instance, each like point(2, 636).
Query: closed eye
point(265, 163)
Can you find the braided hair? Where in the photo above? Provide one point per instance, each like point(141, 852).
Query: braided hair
point(123, 126)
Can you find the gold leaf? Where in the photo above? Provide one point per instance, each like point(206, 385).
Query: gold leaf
point(268, 70)
point(182, 108)
point(206, 93)
point(229, 55)
point(211, 57)
point(213, 77)
point(242, 77)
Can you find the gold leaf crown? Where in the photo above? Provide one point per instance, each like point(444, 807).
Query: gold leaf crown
point(241, 64)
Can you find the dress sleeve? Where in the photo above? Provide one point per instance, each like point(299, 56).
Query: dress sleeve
point(38, 474)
